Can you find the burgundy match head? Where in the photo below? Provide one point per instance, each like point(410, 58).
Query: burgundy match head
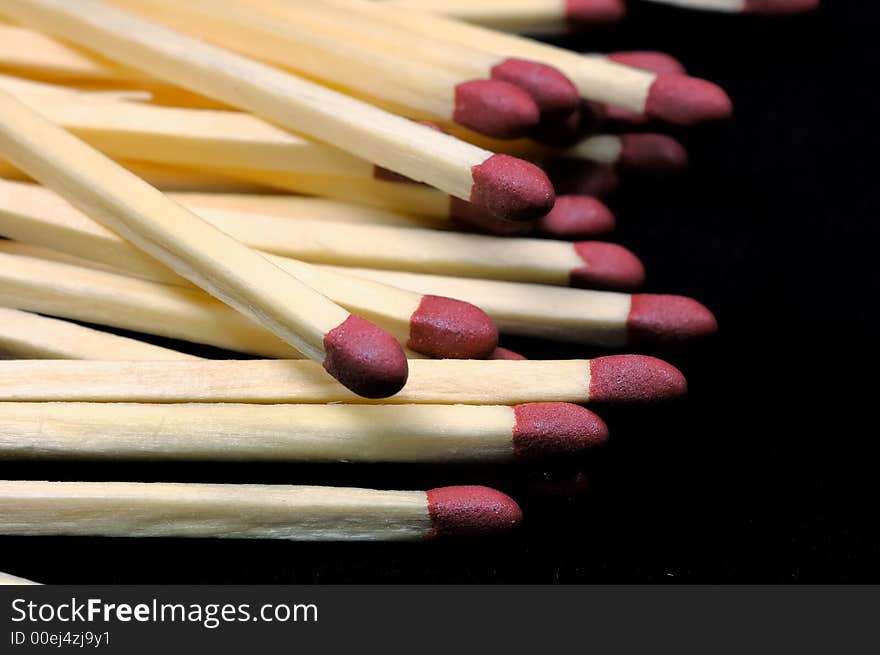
point(634, 378)
point(652, 152)
point(661, 318)
point(504, 353)
point(555, 429)
point(511, 189)
point(445, 328)
point(779, 7)
point(365, 358)
point(552, 91)
point(581, 13)
point(649, 60)
point(685, 100)
point(495, 108)
point(608, 266)
point(576, 217)
point(562, 132)
point(470, 511)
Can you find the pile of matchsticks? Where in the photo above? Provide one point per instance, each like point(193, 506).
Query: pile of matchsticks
point(354, 191)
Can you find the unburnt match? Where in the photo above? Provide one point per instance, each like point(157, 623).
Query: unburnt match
point(305, 433)
point(251, 511)
point(768, 7)
point(34, 215)
point(674, 98)
point(433, 326)
point(499, 185)
point(612, 379)
point(29, 336)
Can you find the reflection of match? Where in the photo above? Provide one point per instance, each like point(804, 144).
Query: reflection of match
point(305, 433)
point(250, 511)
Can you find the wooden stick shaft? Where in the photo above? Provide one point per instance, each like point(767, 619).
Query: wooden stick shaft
point(309, 433)
point(108, 299)
point(195, 250)
point(375, 135)
point(30, 336)
point(447, 381)
point(524, 16)
point(714, 5)
point(130, 509)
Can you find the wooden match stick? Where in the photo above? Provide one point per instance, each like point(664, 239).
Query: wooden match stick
point(359, 354)
point(24, 88)
point(35, 215)
point(769, 7)
point(570, 315)
point(308, 433)
point(28, 336)
point(674, 98)
point(7, 579)
point(497, 184)
point(523, 16)
point(250, 511)
point(403, 85)
point(616, 378)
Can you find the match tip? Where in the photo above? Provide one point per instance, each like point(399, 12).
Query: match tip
point(495, 108)
point(365, 358)
point(577, 217)
point(470, 511)
point(779, 7)
point(665, 318)
point(686, 100)
point(555, 429)
point(446, 328)
point(552, 91)
point(608, 266)
point(511, 189)
point(652, 152)
point(582, 177)
point(505, 353)
point(591, 12)
point(634, 378)
point(649, 60)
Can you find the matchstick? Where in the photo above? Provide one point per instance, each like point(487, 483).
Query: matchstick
point(359, 354)
point(34, 215)
point(250, 511)
point(612, 379)
point(22, 87)
point(7, 579)
point(104, 298)
point(304, 433)
point(404, 85)
point(29, 336)
point(569, 315)
point(433, 326)
point(673, 98)
point(768, 7)
point(523, 16)
point(497, 184)
point(651, 60)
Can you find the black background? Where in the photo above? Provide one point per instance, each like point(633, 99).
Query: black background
point(766, 472)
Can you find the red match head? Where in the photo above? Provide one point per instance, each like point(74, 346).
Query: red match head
point(685, 100)
point(560, 132)
point(471, 219)
point(555, 429)
point(470, 511)
point(365, 358)
point(774, 7)
point(608, 266)
point(662, 318)
point(581, 177)
point(652, 152)
point(495, 108)
point(580, 13)
point(445, 328)
point(511, 189)
point(552, 91)
point(649, 60)
point(576, 217)
point(634, 378)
